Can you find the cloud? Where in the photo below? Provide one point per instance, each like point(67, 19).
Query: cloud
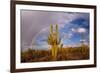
point(36, 24)
point(67, 35)
point(82, 40)
point(79, 30)
point(86, 43)
point(72, 45)
point(42, 47)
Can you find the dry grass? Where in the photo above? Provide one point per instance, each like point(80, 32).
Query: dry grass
point(70, 53)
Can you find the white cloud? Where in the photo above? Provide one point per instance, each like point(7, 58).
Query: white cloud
point(86, 43)
point(72, 45)
point(67, 35)
point(82, 40)
point(74, 30)
point(79, 30)
point(40, 47)
point(61, 25)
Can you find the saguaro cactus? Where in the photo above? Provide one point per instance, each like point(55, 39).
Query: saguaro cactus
point(54, 41)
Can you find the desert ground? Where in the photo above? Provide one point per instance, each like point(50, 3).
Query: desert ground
point(63, 54)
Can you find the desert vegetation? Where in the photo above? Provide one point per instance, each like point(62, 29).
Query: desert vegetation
point(68, 53)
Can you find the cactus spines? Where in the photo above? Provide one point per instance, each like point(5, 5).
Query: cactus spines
point(54, 41)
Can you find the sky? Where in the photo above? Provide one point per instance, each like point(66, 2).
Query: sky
point(35, 27)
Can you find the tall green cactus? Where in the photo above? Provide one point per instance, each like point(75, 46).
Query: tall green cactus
point(54, 41)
